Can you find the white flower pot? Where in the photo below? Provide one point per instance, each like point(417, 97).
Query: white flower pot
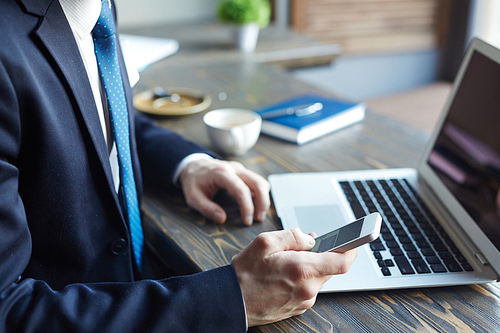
point(246, 37)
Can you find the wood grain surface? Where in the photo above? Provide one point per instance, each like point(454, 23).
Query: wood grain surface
point(191, 243)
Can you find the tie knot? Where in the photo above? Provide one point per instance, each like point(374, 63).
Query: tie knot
point(105, 25)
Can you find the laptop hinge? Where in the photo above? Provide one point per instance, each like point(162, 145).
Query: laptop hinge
point(481, 259)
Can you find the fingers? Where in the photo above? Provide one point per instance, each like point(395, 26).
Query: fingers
point(259, 188)
point(199, 201)
point(332, 263)
point(235, 186)
point(250, 190)
point(298, 260)
point(284, 240)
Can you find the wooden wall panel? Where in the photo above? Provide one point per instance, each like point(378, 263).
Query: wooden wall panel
point(373, 25)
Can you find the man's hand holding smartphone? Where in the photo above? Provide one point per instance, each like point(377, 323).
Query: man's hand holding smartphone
point(280, 278)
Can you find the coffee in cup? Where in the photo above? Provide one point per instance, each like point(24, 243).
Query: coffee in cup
point(233, 131)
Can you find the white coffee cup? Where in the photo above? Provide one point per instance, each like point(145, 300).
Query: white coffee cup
point(233, 131)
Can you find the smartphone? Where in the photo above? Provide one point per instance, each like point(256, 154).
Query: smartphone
point(350, 236)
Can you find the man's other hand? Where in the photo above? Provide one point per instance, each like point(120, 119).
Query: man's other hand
point(201, 179)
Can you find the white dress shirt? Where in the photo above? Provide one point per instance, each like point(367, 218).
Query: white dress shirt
point(82, 16)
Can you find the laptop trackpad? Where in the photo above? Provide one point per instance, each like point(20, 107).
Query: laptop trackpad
point(320, 219)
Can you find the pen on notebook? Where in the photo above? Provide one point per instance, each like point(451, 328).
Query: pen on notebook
point(301, 110)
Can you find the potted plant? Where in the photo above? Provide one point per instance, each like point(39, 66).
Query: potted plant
point(249, 16)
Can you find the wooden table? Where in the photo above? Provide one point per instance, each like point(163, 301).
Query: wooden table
point(190, 243)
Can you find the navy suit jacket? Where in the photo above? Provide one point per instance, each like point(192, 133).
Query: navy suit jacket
point(59, 212)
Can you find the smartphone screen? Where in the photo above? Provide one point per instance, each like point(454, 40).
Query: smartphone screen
point(352, 235)
point(340, 236)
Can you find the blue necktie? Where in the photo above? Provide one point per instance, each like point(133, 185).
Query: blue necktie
point(109, 68)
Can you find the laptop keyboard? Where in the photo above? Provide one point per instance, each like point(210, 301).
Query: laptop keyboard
point(411, 240)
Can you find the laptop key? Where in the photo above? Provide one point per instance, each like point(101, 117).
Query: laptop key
point(435, 240)
point(388, 237)
point(404, 265)
point(433, 260)
point(438, 268)
point(440, 247)
point(351, 197)
point(405, 240)
point(386, 271)
point(410, 225)
point(401, 233)
point(405, 217)
point(357, 209)
point(398, 229)
point(420, 266)
point(417, 236)
point(423, 244)
point(428, 253)
point(344, 184)
point(429, 232)
point(414, 255)
point(445, 255)
point(377, 246)
point(414, 231)
point(392, 218)
point(396, 252)
point(452, 265)
point(409, 247)
point(466, 266)
point(392, 244)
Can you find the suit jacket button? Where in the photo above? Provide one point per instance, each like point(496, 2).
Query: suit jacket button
point(119, 246)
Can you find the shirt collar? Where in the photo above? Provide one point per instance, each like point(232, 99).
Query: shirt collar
point(82, 15)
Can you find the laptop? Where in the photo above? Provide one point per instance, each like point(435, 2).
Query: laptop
point(441, 220)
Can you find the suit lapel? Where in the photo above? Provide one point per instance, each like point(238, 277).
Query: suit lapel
point(56, 36)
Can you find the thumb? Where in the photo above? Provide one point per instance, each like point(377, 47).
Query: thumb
point(287, 240)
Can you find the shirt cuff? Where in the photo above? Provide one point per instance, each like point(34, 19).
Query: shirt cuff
point(185, 161)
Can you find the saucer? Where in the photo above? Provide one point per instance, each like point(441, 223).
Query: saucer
point(190, 101)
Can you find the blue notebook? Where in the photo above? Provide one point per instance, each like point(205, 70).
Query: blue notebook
point(334, 115)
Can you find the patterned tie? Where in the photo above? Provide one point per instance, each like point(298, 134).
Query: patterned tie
point(109, 68)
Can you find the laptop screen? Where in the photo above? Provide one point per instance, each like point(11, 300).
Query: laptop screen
point(466, 155)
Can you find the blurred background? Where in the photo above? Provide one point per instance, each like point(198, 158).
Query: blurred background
point(405, 49)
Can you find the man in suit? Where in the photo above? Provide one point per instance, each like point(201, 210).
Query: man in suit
point(67, 260)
